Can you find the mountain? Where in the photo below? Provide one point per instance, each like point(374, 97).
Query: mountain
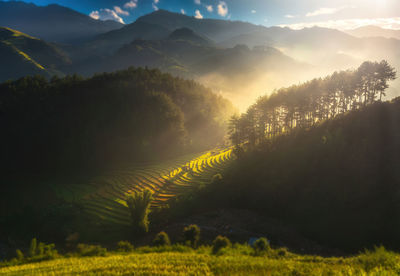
point(187, 34)
point(217, 30)
point(53, 22)
point(374, 31)
point(23, 55)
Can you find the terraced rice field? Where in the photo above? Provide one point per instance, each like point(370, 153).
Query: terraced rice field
point(105, 197)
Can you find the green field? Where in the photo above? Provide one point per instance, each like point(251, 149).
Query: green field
point(234, 261)
point(104, 199)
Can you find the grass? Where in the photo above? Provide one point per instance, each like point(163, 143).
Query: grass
point(104, 199)
point(238, 260)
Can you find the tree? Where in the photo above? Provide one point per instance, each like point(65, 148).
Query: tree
point(161, 239)
point(219, 243)
point(191, 234)
point(260, 246)
point(139, 206)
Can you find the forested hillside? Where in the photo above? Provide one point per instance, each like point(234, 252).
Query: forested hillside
point(322, 157)
point(135, 115)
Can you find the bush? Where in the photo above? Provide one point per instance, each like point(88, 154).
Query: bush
point(191, 235)
point(124, 246)
point(216, 179)
point(261, 246)
point(20, 255)
point(161, 239)
point(379, 257)
point(90, 250)
point(139, 206)
point(40, 251)
point(33, 247)
point(219, 243)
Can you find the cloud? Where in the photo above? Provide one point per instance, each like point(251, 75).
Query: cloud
point(209, 8)
point(348, 24)
point(154, 7)
point(183, 11)
point(324, 11)
point(131, 4)
point(289, 16)
point(156, 1)
point(253, 11)
point(198, 15)
point(118, 10)
point(106, 14)
point(222, 8)
point(197, 2)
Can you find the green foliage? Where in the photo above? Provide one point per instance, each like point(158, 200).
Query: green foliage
point(346, 161)
point(90, 250)
point(303, 106)
point(379, 257)
point(216, 179)
point(33, 248)
point(219, 243)
point(161, 239)
point(261, 246)
point(139, 206)
point(124, 246)
point(20, 255)
point(136, 115)
point(191, 235)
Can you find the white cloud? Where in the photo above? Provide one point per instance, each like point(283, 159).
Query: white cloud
point(209, 8)
point(198, 15)
point(106, 14)
point(325, 11)
point(183, 11)
point(154, 7)
point(118, 10)
point(253, 11)
point(289, 16)
point(156, 1)
point(197, 2)
point(348, 24)
point(131, 4)
point(222, 8)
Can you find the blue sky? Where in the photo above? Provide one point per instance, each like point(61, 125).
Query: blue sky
point(340, 14)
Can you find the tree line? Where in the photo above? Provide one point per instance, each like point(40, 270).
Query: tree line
point(304, 105)
point(77, 123)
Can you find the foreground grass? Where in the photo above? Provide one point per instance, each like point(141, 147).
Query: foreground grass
point(236, 261)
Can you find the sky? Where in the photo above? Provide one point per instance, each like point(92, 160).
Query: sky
point(340, 14)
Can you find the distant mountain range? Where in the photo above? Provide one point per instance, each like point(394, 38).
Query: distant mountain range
point(237, 58)
point(53, 23)
point(374, 31)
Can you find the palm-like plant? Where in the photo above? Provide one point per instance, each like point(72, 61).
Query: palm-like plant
point(139, 206)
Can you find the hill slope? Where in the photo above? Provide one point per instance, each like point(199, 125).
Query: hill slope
point(53, 22)
point(23, 55)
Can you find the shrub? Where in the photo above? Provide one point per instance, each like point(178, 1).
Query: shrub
point(33, 247)
point(216, 179)
point(139, 206)
point(91, 250)
point(379, 257)
point(282, 252)
point(41, 251)
point(261, 246)
point(191, 235)
point(20, 255)
point(124, 246)
point(219, 243)
point(161, 239)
